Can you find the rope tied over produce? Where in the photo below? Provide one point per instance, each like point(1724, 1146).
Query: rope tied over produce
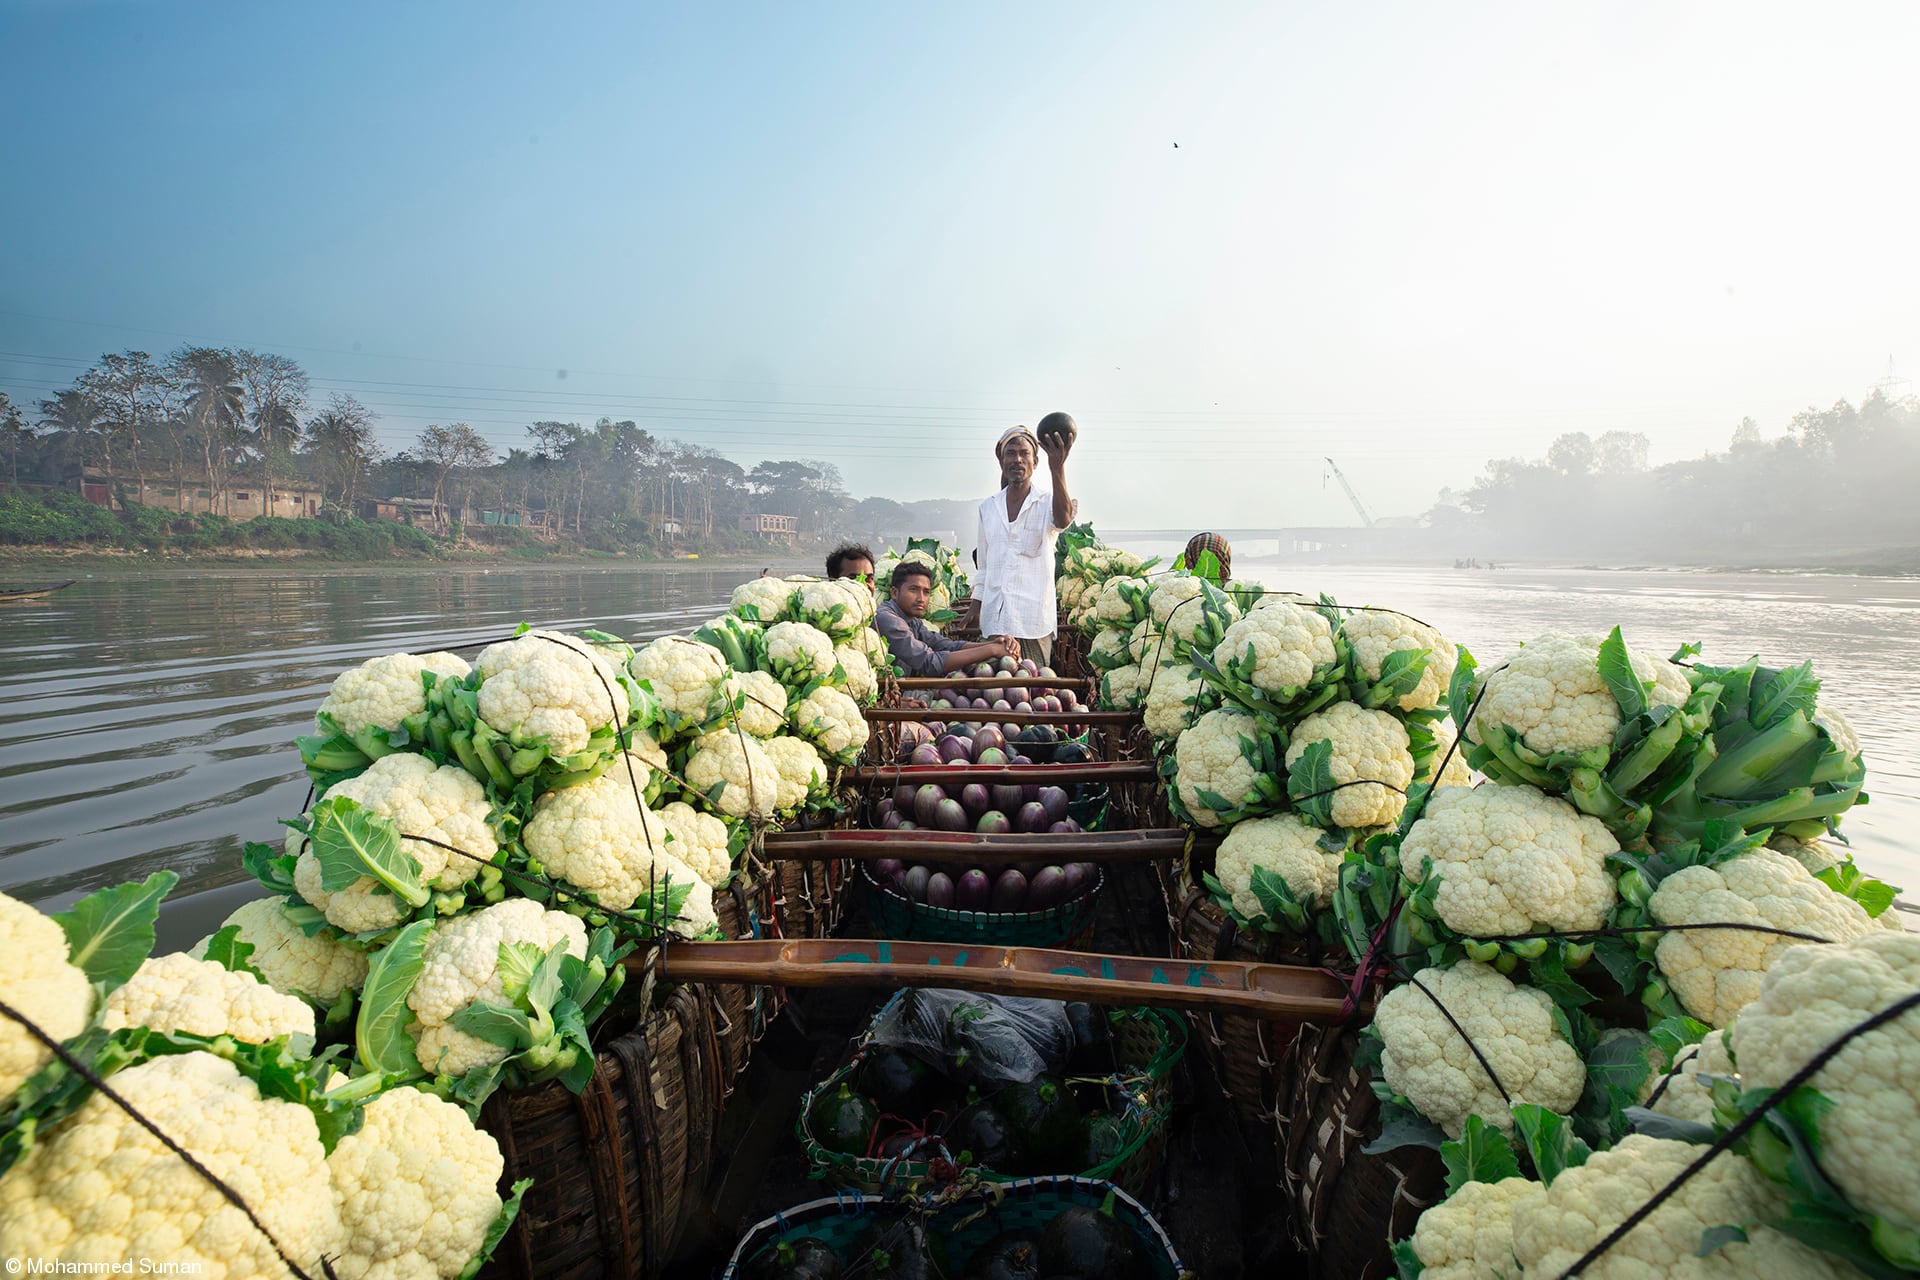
point(85, 1072)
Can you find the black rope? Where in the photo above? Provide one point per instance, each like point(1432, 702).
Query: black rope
point(1740, 1130)
point(86, 1073)
point(1625, 930)
point(1453, 1022)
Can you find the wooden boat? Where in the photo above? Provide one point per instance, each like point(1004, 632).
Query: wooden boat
point(35, 592)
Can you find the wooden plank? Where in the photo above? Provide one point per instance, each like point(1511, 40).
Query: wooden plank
point(973, 715)
point(1281, 993)
point(992, 682)
point(967, 848)
point(1044, 774)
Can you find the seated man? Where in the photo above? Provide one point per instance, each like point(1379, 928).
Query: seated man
point(851, 560)
point(920, 650)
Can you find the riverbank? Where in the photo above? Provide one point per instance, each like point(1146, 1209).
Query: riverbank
point(67, 562)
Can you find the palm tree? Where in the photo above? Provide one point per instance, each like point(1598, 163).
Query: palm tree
point(214, 404)
point(73, 415)
point(344, 435)
point(276, 427)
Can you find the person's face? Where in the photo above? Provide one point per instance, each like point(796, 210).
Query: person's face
point(1017, 460)
point(860, 570)
point(913, 595)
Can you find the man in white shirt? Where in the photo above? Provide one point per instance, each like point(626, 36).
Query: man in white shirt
point(1014, 546)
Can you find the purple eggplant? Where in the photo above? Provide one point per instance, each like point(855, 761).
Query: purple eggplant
point(1008, 797)
point(891, 820)
point(994, 695)
point(1009, 891)
point(1029, 667)
point(988, 737)
point(1060, 829)
point(992, 756)
point(1074, 880)
point(981, 704)
point(1029, 792)
point(925, 799)
point(953, 748)
point(993, 823)
point(974, 799)
point(1001, 704)
point(974, 891)
point(1029, 869)
point(1019, 694)
point(925, 753)
point(1054, 801)
point(907, 824)
point(1032, 817)
point(888, 869)
point(940, 889)
point(1048, 889)
point(903, 796)
point(1021, 759)
point(949, 816)
point(914, 882)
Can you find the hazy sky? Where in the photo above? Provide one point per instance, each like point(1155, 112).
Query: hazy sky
point(1410, 236)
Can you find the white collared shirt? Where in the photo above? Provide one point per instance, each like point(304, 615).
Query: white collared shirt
point(1015, 581)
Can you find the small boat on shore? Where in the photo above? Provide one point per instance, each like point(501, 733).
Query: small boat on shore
point(33, 591)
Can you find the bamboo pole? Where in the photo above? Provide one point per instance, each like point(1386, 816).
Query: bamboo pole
point(1279, 993)
point(973, 849)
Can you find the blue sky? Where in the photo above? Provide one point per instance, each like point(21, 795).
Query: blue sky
point(1411, 236)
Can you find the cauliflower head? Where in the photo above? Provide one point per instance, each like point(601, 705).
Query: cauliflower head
point(1288, 644)
point(599, 837)
point(414, 1187)
point(798, 653)
point(101, 1188)
point(1455, 772)
point(319, 968)
point(1469, 1235)
point(1176, 698)
point(1110, 649)
point(802, 772)
point(735, 773)
point(1372, 634)
point(700, 841)
point(766, 600)
point(440, 803)
point(1715, 973)
point(687, 676)
point(1426, 1061)
point(1120, 602)
point(832, 722)
point(1584, 1204)
point(1120, 688)
point(873, 646)
point(838, 606)
point(1372, 762)
point(39, 982)
point(1551, 694)
point(460, 966)
point(862, 684)
point(551, 686)
point(1286, 845)
point(1216, 773)
point(381, 692)
point(1683, 1094)
point(1142, 640)
point(1511, 860)
point(179, 993)
point(1809, 998)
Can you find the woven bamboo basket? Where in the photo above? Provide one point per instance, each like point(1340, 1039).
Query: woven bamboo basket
point(614, 1166)
point(740, 1013)
point(1345, 1207)
point(1244, 1052)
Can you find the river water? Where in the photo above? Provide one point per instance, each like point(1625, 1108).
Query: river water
point(146, 720)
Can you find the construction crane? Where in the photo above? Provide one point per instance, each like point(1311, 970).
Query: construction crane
point(1359, 506)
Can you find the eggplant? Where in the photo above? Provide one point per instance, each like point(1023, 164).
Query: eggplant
point(1046, 673)
point(888, 870)
point(981, 669)
point(808, 1258)
point(974, 799)
point(907, 749)
point(883, 808)
point(948, 815)
point(903, 796)
point(924, 754)
point(1032, 817)
point(843, 1121)
point(907, 824)
point(925, 801)
point(992, 757)
point(1008, 797)
point(994, 695)
point(1043, 1112)
point(1009, 891)
point(1074, 878)
point(1048, 889)
point(1001, 704)
point(898, 1082)
point(1021, 758)
point(1019, 694)
point(1088, 1244)
point(1055, 801)
point(953, 747)
point(915, 882)
point(1030, 868)
point(988, 737)
point(981, 1130)
point(973, 891)
point(1072, 753)
point(1011, 1255)
point(993, 823)
point(981, 704)
point(891, 822)
point(1023, 708)
point(1059, 829)
point(940, 890)
point(1005, 664)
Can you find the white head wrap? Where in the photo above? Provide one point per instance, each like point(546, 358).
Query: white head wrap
point(1000, 445)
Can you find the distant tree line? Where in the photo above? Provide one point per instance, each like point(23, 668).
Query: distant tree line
point(1838, 479)
point(228, 418)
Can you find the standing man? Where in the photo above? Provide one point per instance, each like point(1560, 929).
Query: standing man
point(1014, 548)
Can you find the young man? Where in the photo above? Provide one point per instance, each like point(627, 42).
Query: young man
point(851, 560)
point(1014, 549)
point(920, 650)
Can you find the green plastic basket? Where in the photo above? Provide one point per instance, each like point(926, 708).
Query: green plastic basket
point(895, 915)
point(1149, 1043)
point(1091, 810)
point(962, 1222)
